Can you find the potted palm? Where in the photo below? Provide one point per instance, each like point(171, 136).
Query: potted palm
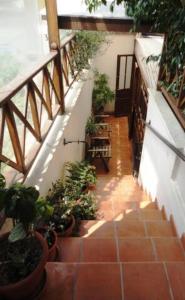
point(23, 252)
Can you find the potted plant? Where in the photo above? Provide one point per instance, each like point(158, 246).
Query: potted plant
point(44, 212)
point(50, 236)
point(91, 127)
point(102, 94)
point(83, 173)
point(23, 252)
point(62, 218)
point(85, 208)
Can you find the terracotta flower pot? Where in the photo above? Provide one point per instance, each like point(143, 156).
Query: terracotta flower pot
point(91, 187)
point(69, 230)
point(52, 251)
point(25, 288)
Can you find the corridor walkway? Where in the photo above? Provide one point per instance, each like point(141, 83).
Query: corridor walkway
point(130, 252)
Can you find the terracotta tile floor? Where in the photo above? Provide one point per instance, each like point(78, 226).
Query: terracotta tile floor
point(130, 252)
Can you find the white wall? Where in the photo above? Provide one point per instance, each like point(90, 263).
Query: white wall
point(162, 173)
point(106, 60)
point(144, 47)
point(49, 164)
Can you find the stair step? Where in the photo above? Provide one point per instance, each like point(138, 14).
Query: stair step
point(160, 229)
point(145, 215)
point(126, 228)
point(100, 228)
point(147, 205)
point(129, 249)
point(86, 281)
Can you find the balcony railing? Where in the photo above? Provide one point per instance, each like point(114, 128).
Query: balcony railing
point(177, 103)
point(31, 103)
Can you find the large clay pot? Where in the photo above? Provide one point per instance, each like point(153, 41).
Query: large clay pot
point(25, 288)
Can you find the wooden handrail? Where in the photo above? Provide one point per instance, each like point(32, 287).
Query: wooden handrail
point(67, 39)
point(173, 104)
point(42, 101)
point(19, 82)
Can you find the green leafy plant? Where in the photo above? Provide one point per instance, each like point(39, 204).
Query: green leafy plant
point(73, 189)
point(91, 127)
point(102, 94)
point(87, 45)
point(61, 217)
point(69, 196)
point(18, 202)
point(20, 252)
point(173, 87)
point(56, 192)
point(81, 172)
point(85, 208)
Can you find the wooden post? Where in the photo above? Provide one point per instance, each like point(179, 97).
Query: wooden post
point(54, 43)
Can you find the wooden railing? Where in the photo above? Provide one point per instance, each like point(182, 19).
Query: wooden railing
point(69, 69)
point(177, 104)
point(30, 104)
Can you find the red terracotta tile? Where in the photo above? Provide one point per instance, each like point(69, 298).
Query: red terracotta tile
point(169, 249)
point(151, 215)
point(136, 249)
point(147, 205)
point(183, 241)
point(60, 280)
point(130, 229)
point(104, 229)
point(145, 281)
point(98, 282)
point(132, 215)
point(161, 228)
point(99, 250)
point(176, 274)
point(69, 249)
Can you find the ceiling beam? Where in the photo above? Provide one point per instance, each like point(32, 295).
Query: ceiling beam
point(99, 24)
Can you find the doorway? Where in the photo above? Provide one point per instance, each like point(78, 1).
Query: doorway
point(123, 85)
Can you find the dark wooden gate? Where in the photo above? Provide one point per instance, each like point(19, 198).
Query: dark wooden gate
point(137, 115)
point(123, 85)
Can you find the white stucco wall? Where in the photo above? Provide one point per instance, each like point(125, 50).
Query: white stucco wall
point(106, 60)
point(144, 47)
point(162, 173)
point(49, 164)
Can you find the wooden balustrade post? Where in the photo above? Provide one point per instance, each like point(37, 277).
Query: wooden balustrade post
point(54, 43)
